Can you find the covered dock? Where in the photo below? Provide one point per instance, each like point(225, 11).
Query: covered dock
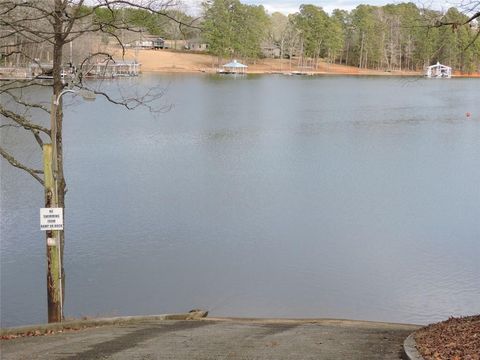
point(439, 71)
point(114, 69)
point(233, 67)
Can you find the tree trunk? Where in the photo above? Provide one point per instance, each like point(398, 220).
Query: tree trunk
point(361, 51)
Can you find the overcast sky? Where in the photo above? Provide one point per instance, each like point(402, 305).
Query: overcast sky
point(291, 6)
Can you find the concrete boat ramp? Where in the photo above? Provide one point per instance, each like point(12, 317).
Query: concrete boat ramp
point(208, 338)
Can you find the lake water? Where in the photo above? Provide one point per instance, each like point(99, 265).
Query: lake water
point(263, 196)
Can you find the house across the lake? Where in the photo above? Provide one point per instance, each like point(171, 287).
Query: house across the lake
point(147, 42)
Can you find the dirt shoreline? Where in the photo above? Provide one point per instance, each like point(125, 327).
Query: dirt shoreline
point(165, 61)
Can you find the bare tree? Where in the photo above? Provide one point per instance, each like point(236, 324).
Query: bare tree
point(32, 33)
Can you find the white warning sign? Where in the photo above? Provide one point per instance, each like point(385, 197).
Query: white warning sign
point(51, 219)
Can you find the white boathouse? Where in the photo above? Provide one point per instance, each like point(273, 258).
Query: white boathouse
point(439, 71)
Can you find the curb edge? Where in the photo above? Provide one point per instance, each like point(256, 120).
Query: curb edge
point(78, 324)
point(410, 348)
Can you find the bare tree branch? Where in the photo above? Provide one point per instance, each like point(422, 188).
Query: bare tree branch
point(136, 101)
point(19, 165)
point(21, 120)
point(475, 16)
point(22, 102)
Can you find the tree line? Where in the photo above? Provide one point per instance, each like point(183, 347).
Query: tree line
point(390, 37)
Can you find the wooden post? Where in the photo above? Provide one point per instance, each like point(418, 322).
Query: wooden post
point(54, 272)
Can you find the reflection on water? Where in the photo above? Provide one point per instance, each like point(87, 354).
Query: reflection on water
point(261, 196)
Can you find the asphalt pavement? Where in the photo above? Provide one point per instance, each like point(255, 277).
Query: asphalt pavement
point(236, 339)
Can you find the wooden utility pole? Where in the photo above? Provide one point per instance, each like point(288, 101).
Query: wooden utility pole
point(54, 266)
point(55, 191)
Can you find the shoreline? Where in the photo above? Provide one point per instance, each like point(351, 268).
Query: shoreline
point(174, 70)
point(175, 62)
point(274, 72)
point(164, 61)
